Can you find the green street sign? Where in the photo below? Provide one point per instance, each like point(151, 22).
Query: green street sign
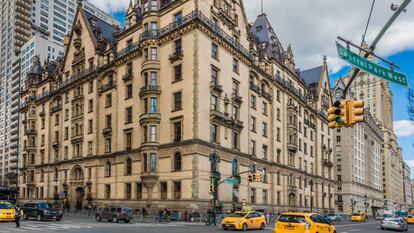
point(232, 181)
point(370, 67)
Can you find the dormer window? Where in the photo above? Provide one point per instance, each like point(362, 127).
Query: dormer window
point(259, 28)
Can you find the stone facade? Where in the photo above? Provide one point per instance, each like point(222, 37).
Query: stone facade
point(132, 116)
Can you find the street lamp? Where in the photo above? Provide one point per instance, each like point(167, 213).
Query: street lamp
point(311, 196)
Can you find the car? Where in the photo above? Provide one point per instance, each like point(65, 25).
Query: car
point(175, 215)
point(41, 211)
point(244, 221)
point(7, 211)
point(334, 217)
point(115, 214)
point(300, 222)
point(410, 219)
point(358, 218)
point(394, 224)
point(379, 217)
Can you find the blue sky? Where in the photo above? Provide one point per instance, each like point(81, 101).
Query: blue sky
point(349, 21)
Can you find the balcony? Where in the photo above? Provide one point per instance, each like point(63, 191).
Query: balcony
point(30, 132)
point(267, 96)
point(76, 77)
point(107, 131)
point(292, 146)
point(225, 119)
point(77, 97)
point(151, 34)
point(216, 87)
point(339, 202)
point(55, 144)
point(76, 138)
point(150, 118)
point(254, 88)
point(106, 87)
point(147, 90)
point(177, 55)
point(130, 48)
point(128, 76)
point(30, 148)
point(292, 188)
point(310, 124)
point(327, 163)
point(56, 108)
point(236, 98)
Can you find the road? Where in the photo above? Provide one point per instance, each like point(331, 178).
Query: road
point(88, 225)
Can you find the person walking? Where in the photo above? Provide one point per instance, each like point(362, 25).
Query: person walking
point(213, 218)
point(168, 215)
point(144, 212)
point(17, 216)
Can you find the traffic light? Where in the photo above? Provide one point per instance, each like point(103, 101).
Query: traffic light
point(251, 178)
point(212, 185)
point(337, 115)
point(356, 111)
point(257, 177)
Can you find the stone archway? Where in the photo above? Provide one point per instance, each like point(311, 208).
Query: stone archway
point(77, 191)
point(292, 200)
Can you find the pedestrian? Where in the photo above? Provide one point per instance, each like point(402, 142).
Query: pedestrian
point(160, 215)
point(168, 215)
point(17, 216)
point(144, 212)
point(213, 218)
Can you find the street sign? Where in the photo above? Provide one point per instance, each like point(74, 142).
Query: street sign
point(370, 67)
point(232, 181)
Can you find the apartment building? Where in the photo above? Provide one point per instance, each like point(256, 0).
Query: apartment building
point(134, 116)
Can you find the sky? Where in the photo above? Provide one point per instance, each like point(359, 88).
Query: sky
point(311, 27)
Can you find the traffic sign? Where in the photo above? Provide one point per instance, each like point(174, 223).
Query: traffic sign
point(232, 181)
point(370, 67)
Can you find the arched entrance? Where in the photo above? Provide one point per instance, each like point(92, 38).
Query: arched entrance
point(77, 191)
point(292, 200)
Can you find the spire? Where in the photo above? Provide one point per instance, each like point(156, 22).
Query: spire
point(80, 2)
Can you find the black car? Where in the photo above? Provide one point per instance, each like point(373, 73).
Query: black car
point(115, 214)
point(41, 211)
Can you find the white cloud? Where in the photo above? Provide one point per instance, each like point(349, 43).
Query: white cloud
point(404, 128)
point(312, 26)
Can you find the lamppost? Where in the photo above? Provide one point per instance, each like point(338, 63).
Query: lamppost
point(311, 196)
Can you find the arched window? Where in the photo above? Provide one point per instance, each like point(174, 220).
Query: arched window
point(177, 161)
point(108, 169)
point(128, 167)
point(234, 167)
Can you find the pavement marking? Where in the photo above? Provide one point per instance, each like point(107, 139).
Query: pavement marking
point(355, 229)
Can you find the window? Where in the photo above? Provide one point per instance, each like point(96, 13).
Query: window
point(235, 140)
point(90, 126)
point(128, 140)
point(108, 100)
point(154, 105)
point(234, 112)
point(89, 147)
point(153, 162)
point(128, 191)
point(66, 135)
point(108, 145)
point(264, 151)
point(214, 133)
point(128, 115)
point(214, 76)
point(338, 138)
point(107, 169)
point(153, 133)
point(252, 147)
point(214, 102)
point(90, 107)
point(154, 79)
point(264, 110)
point(214, 51)
point(57, 119)
point(264, 129)
point(107, 191)
point(235, 88)
point(235, 65)
point(128, 167)
point(253, 102)
point(177, 190)
point(109, 121)
point(153, 54)
point(278, 134)
point(264, 197)
point(177, 101)
point(163, 187)
point(65, 152)
point(177, 73)
point(278, 114)
point(128, 92)
point(139, 191)
point(177, 131)
point(253, 124)
point(90, 87)
point(177, 161)
point(252, 196)
point(178, 47)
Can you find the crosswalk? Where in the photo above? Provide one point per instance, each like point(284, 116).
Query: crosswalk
point(72, 226)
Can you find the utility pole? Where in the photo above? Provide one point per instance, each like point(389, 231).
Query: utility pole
point(375, 42)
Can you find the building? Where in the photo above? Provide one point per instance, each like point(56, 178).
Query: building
point(15, 18)
point(407, 189)
point(89, 7)
point(378, 100)
point(358, 161)
point(144, 116)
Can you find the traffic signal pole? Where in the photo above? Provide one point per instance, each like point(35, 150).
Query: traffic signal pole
point(402, 7)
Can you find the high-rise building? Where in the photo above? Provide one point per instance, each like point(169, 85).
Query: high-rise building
point(358, 165)
point(377, 96)
point(15, 31)
point(407, 189)
point(146, 115)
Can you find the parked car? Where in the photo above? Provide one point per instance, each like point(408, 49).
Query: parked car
point(303, 222)
point(41, 211)
point(379, 217)
point(394, 224)
point(334, 217)
point(175, 215)
point(115, 214)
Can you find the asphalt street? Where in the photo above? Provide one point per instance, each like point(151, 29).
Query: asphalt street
point(89, 225)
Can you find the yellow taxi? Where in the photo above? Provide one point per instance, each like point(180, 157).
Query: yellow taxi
point(358, 217)
point(6, 211)
point(303, 223)
point(244, 221)
point(410, 219)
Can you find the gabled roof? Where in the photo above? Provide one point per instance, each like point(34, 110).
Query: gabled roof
point(107, 30)
point(311, 76)
point(263, 33)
